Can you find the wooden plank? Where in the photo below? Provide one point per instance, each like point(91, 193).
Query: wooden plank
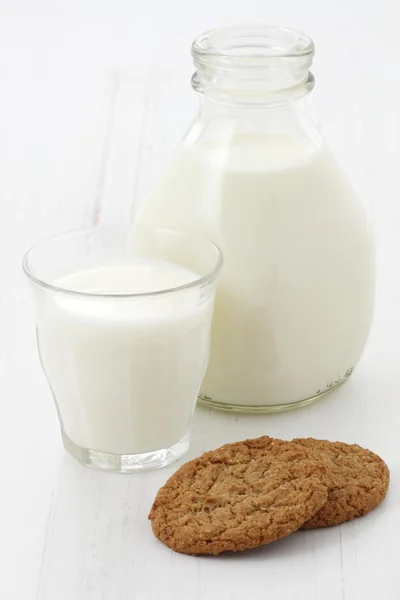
point(52, 132)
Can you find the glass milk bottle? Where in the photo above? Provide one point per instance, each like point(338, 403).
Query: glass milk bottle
point(295, 298)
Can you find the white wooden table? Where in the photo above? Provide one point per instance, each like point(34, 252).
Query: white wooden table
point(93, 96)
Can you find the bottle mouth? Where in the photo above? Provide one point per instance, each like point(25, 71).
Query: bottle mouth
point(260, 57)
point(254, 44)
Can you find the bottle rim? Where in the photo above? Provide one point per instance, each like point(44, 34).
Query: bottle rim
point(253, 65)
point(251, 45)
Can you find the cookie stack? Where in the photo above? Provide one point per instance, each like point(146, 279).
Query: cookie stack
point(254, 492)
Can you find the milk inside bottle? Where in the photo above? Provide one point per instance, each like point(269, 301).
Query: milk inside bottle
point(295, 298)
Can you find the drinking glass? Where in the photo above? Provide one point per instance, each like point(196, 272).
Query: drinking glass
point(123, 318)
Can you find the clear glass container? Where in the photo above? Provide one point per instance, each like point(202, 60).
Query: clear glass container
point(295, 298)
point(123, 327)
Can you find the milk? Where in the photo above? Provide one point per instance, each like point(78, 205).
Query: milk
point(295, 297)
point(125, 373)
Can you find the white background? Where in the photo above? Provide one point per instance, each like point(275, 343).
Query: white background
point(93, 96)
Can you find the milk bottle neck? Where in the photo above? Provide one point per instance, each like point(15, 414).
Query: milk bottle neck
point(222, 122)
point(252, 67)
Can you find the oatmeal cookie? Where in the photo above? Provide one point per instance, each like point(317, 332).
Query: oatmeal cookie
point(360, 480)
point(240, 496)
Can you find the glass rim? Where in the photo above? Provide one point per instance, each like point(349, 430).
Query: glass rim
point(204, 45)
point(42, 283)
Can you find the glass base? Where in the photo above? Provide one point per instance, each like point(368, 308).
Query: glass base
point(126, 463)
point(273, 408)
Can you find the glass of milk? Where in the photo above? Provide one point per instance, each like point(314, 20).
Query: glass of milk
point(123, 323)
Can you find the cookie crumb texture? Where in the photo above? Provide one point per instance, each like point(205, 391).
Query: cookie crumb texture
point(239, 496)
point(360, 480)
